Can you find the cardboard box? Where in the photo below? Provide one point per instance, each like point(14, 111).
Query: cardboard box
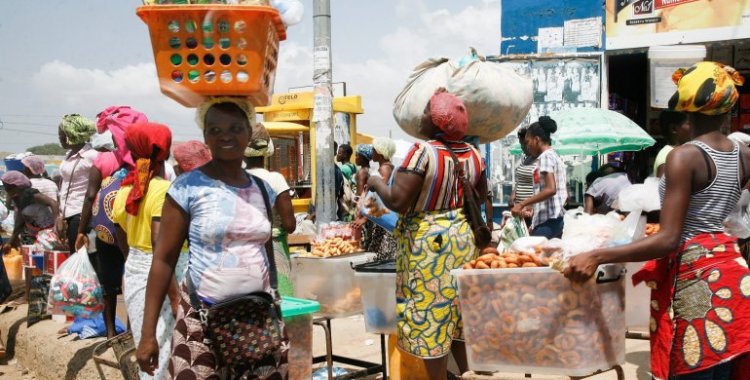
point(53, 260)
point(26, 251)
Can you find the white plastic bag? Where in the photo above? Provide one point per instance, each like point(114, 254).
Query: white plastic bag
point(75, 289)
point(528, 244)
point(496, 98)
point(738, 221)
point(584, 232)
point(640, 197)
point(512, 229)
point(291, 11)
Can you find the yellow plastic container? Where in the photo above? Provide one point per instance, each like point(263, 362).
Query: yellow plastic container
point(14, 267)
point(213, 50)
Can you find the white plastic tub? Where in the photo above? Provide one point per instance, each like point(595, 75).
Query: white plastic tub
point(534, 320)
point(330, 281)
point(378, 284)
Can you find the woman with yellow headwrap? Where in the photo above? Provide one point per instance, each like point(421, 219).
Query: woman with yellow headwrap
point(700, 297)
point(260, 148)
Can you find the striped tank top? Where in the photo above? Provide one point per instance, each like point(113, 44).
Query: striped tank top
point(525, 179)
point(709, 207)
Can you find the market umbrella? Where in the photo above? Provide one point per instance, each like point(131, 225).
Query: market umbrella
point(592, 131)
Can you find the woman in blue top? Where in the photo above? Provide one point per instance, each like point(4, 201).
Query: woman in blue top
point(220, 209)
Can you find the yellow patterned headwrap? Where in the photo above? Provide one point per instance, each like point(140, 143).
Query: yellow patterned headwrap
point(707, 88)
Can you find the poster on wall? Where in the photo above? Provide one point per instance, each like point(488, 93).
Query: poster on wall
point(642, 23)
point(559, 84)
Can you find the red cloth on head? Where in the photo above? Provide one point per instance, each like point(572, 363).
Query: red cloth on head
point(192, 154)
point(149, 144)
point(449, 114)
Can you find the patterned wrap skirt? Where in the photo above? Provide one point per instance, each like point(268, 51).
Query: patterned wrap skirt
point(192, 359)
point(430, 245)
point(700, 306)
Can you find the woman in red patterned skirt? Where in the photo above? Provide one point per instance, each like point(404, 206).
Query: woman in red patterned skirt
point(700, 306)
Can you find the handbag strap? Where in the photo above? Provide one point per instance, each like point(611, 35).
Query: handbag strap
point(195, 301)
point(70, 182)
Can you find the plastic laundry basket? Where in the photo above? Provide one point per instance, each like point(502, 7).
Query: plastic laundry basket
point(212, 50)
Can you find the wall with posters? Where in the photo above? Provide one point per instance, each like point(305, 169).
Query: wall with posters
point(641, 23)
point(543, 26)
point(560, 83)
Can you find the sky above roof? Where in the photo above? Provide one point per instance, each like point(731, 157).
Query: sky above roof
point(61, 57)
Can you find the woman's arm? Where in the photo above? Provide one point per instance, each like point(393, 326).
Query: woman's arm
point(481, 189)
point(166, 252)
point(679, 177)
point(122, 241)
point(385, 171)
point(95, 183)
point(49, 202)
point(402, 193)
point(588, 206)
point(174, 291)
point(362, 177)
point(286, 211)
point(17, 229)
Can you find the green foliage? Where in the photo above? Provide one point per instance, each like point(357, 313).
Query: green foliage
point(52, 149)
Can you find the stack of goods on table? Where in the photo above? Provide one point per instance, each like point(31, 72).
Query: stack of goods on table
point(326, 275)
point(333, 240)
point(521, 315)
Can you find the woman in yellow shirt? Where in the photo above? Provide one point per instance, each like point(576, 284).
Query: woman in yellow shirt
point(137, 214)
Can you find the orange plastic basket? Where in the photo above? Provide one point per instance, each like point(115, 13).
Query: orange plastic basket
point(212, 50)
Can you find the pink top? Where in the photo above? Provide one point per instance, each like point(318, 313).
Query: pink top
point(108, 163)
point(75, 179)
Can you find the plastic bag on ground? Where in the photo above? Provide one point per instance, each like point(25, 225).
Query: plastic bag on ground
point(75, 290)
point(496, 98)
point(640, 197)
point(93, 327)
point(737, 222)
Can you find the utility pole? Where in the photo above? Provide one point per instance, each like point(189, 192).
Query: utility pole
point(325, 195)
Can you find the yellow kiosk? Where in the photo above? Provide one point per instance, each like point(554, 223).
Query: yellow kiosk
point(290, 123)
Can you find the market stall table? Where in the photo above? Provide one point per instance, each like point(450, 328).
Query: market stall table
point(330, 281)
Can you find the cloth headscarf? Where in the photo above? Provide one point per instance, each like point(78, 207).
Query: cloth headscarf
point(448, 113)
point(261, 144)
point(707, 88)
point(385, 146)
point(150, 145)
point(116, 120)
point(741, 138)
point(243, 103)
point(34, 163)
point(365, 150)
point(77, 129)
point(15, 178)
point(191, 154)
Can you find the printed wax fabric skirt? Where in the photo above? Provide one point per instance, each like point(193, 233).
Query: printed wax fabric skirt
point(430, 245)
point(135, 278)
point(700, 306)
point(192, 359)
point(283, 263)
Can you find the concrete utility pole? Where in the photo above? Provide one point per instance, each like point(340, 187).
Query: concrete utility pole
point(325, 196)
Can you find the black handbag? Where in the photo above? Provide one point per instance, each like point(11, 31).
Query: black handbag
point(246, 332)
point(482, 233)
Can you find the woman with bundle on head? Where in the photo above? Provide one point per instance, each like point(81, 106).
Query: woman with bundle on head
point(284, 223)
point(105, 179)
point(433, 234)
point(137, 214)
point(700, 312)
point(550, 182)
point(222, 210)
point(75, 133)
point(34, 211)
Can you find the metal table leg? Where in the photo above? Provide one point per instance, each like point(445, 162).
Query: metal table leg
point(368, 367)
point(329, 344)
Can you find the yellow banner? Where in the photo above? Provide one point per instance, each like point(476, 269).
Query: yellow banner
point(642, 23)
